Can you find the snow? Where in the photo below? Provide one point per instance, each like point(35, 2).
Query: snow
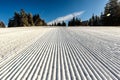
point(71, 53)
point(14, 40)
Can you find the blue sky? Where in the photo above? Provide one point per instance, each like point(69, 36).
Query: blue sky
point(51, 9)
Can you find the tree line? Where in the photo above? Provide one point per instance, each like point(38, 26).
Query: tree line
point(25, 19)
point(73, 22)
point(110, 17)
point(59, 24)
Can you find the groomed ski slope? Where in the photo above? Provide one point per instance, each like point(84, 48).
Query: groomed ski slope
point(14, 40)
point(74, 53)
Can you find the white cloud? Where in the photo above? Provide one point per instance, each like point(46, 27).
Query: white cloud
point(67, 17)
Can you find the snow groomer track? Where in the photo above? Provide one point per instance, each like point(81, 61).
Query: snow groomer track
point(75, 53)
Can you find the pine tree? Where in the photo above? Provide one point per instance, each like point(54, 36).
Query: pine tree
point(16, 19)
point(30, 20)
point(111, 13)
point(90, 22)
point(24, 18)
point(63, 23)
point(38, 21)
point(2, 24)
point(11, 23)
point(75, 22)
point(59, 24)
point(94, 21)
point(69, 23)
point(78, 22)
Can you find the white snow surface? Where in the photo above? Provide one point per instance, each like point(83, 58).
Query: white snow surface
point(60, 53)
point(14, 40)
